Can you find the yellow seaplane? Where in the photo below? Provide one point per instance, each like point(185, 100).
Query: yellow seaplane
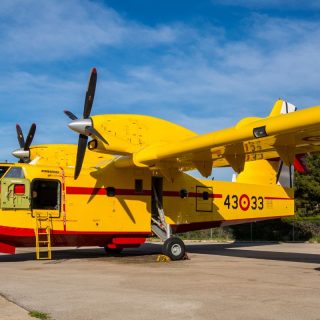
point(132, 184)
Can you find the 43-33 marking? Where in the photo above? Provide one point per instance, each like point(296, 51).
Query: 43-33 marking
point(244, 202)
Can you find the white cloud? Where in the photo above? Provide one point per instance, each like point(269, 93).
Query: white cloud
point(191, 75)
point(278, 58)
point(282, 4)
point(48, 30)
point(209, 76)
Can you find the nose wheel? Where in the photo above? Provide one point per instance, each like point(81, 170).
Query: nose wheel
point(174, 248)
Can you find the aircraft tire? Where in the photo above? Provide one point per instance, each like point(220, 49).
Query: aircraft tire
point(174, 248)
point(111, 251)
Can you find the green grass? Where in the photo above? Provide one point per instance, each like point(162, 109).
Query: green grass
point(298, 218)
point(315, 239)
point(39, 315)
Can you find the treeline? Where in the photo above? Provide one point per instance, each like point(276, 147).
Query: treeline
point(305, 226)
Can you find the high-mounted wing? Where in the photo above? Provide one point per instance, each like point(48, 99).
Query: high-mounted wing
point(283, 136)
point(149, 142)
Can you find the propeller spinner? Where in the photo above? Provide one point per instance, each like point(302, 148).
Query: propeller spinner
point(24, 152)
point(84, 126)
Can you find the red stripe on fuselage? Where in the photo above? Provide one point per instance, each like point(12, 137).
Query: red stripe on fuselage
point(278, 198)
point(103, 191)
point(23, 237)
point(130, 192)
point(26, 232)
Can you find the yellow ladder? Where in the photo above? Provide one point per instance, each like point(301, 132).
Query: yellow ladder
point(43, 239)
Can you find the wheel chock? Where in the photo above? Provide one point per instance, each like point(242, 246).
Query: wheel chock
point(163, 258)
point(186, 257)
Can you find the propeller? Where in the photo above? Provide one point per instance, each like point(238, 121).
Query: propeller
point(24, 152)
point(84, 126)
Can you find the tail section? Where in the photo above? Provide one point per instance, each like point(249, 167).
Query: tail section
point(282, 107)
point(274, 171)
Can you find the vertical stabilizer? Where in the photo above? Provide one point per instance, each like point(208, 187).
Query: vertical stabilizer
point(282, 107)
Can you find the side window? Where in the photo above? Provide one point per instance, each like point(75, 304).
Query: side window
point(15, 172)
point(3, 170)
point(45, 194)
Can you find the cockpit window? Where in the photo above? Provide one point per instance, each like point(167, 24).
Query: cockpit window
point(15, 172)
point(3, 170)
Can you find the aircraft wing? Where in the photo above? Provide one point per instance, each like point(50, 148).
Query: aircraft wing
point(284, 136)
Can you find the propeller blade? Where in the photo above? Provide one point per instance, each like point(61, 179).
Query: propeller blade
point(70, 115)
point(30, 136)
point(90, 94)
point(81, 125)
point(82, 146)
point(20, 136)
point(93, 131)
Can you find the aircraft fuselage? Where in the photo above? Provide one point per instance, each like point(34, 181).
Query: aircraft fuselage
point(113, 207)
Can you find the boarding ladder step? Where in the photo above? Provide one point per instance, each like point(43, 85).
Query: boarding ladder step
point(43, 236)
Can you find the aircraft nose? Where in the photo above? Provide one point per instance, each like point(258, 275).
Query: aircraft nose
point(80, 125)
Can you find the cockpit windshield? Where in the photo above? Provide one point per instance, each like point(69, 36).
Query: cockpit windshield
point(3, 170)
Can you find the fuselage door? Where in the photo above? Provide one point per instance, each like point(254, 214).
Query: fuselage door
point(204, 199)
point(46, 197)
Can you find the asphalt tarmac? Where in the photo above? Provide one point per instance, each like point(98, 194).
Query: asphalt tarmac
point(220, 281)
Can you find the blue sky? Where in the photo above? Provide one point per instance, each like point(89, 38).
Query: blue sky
point(203, 64)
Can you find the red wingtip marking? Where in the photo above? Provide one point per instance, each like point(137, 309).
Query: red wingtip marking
point(299, 165)
point(94, 70)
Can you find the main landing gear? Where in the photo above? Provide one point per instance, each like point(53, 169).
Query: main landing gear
point(174, 248)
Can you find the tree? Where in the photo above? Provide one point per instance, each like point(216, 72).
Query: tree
point(307, 188)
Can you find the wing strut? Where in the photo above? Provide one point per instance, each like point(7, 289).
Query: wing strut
point(158, 223)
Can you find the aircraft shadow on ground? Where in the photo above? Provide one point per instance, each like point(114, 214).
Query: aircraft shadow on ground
point(224, 249)
point(237, 250)
point(84, 253)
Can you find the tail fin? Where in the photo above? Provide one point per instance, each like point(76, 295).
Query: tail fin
point(272, 171)
point(282, 107)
